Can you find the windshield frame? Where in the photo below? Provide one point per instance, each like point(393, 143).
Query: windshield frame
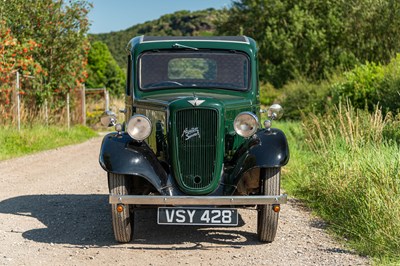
point(247, 77)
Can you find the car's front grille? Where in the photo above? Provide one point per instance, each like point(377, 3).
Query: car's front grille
point(196, 146)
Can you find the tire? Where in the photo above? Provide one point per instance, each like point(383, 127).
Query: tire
point(122, 221)
point(267, 219)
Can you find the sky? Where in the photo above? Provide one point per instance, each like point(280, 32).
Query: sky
point(115, 15)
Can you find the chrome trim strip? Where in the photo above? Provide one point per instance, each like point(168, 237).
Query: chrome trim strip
point(133, 42)
point(152, 102)
point(197, 200)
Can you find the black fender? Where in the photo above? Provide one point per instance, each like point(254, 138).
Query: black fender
point(120, 154)
point(272, 149)
point(267, 148)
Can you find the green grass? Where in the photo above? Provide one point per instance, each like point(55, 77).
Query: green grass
point(39, 138)
point(347, 169)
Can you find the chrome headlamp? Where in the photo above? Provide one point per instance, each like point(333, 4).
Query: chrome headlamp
point(246, 124)
point(275, 112)
point(108, 119)
point(139, 127)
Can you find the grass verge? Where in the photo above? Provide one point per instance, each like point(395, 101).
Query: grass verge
point(39, 138)
point(347, 169)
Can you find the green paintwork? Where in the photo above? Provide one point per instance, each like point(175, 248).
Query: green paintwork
point(209, 103)
point(164, 104)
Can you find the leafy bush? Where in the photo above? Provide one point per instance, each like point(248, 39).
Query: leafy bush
point(365, 87)
point(391, 131)
point(93, 118)
point(268, 94)
point(389, 89)
point(369, 85)
point(103, 70)
point(303, 96)
point(360, 86)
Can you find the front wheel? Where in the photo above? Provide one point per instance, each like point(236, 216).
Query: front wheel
point(267, 219)
point(122, 220)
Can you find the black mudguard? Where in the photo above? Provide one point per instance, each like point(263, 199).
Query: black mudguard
point(268, 148)
point(120, 154)
point(272, 149)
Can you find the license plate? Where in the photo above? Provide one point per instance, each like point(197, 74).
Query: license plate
point(197, 216)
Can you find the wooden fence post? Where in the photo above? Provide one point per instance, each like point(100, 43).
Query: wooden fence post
point(68, 112)
point(107, 99)
point(18, 102)
point(46, 112)
point(83, 96)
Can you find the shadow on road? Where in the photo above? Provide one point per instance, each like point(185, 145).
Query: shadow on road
point(86, 220)
point(69, 219)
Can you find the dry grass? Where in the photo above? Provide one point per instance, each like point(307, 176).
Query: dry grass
point(349, 173)
point(354, 127)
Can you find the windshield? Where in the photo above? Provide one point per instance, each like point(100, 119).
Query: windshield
point(204, 69)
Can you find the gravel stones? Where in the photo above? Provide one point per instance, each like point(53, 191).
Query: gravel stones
point(54, 211)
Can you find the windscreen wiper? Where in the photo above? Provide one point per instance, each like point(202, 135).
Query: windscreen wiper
point(177, 45)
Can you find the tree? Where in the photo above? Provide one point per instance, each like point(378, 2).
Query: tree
point(180, 23)
point(372, 29)
point(103, 70)
point(14, 56)
point(60, 31)
point(312, 38)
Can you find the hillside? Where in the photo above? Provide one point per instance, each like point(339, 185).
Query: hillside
point(181, 23)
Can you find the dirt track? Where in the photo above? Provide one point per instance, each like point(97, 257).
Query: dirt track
point(54, 211)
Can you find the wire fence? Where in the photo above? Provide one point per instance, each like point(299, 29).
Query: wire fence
point(20, 106)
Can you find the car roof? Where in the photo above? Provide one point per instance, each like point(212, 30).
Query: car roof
point(143, 43)
point(241, 39)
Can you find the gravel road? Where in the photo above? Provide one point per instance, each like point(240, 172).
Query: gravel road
point(54, 211)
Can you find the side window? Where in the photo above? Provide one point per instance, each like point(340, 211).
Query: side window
point(129, 76)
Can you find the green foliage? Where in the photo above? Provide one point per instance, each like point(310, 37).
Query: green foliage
point(268, 94)
point(38, 138)
point(348, 170)
point(391, 131)
point(360, 86)
point(103, 70)
point(181, 23)
point(388, 92)
point(93, 118)
point(369, 85)
point(313, 38)
point(301, 96)
point(59, 29)
point(366, 86)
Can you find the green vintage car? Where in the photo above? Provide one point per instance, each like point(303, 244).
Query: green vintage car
point(191, 143)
